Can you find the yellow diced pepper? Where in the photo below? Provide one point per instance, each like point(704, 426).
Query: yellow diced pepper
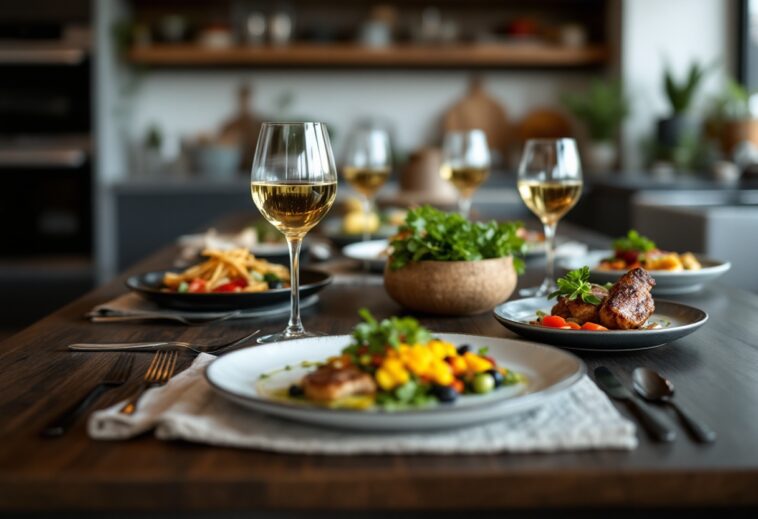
point(384, 379)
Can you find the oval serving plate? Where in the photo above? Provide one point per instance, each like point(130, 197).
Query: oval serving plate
point(148, 285)
point(371, 252)
point(666, 282)
point(237, 376)
point(682, 319)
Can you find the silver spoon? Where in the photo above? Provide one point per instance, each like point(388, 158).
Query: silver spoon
point(653, 386)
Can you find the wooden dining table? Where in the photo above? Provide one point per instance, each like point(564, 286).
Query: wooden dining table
point(715, 371)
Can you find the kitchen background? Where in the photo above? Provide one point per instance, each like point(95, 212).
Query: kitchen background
point(156, 100)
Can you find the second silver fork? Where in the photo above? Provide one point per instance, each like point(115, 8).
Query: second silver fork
point(159, 372)
point(161, 345)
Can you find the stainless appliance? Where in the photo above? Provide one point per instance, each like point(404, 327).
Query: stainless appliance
point(45, 142)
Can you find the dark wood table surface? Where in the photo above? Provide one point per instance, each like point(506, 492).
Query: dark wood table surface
point(715, 371)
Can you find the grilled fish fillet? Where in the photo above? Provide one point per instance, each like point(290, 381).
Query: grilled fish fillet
point(629, 304)
point(329, 383)
point(577, 309)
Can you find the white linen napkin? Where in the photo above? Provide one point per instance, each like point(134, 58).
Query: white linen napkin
point(132, 305)
point(188, 409)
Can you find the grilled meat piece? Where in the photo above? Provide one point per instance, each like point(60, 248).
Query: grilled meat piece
point(629, 304)
point(577, 309)
point(329, 383)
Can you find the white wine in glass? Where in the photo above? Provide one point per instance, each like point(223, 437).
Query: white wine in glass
point(465, 164)
point(550, 183)
point(293, 183)
point(367, 166)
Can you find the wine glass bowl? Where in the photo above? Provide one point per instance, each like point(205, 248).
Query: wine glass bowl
point(550, 184)
point(465, 164)
point(367, 166)
point(293, 183)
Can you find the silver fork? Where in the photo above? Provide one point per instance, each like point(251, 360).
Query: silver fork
point(161, 345)
point(159, 372)
point(190, 321)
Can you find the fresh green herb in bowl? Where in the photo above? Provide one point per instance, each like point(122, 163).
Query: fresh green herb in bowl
point(441, 263)
point(431, 234)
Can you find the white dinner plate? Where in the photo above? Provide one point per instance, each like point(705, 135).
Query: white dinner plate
point(666, 282)
point(371, 252)
point(237, 376)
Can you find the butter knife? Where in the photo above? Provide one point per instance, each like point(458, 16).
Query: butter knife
point(658, 430)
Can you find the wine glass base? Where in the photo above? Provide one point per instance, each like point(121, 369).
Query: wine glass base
point(287, 336)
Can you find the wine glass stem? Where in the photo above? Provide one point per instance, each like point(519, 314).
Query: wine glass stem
point(464, 206)
point(549, 254)
point(366, 217)
point(295, 325)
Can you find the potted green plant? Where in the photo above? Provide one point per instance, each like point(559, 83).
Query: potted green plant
point(679, 126)
point(442, 263)
point(730, 120)
point(601, 110)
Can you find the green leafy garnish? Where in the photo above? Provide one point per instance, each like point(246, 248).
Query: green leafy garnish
point(431, 234)
point(633, 241)
point(378, 335)
point(576, 284)
point(483, 351)
point(270, 277)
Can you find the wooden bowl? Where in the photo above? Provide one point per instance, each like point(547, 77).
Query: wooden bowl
point(452, 287)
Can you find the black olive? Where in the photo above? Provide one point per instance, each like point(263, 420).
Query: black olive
point(296, 391)
point(463, 348)
point(445, 394)
point(275, 284)
point(497, 376)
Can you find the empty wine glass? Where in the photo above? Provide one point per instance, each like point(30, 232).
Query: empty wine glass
point(367, 166)
point(293, 184)
point(550, 183)
point(465, 164)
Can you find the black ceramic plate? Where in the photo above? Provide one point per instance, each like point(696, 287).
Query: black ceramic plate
point(148, 285)
point(677, 319)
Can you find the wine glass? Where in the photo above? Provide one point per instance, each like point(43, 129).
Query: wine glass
point(293, 184)
point(367, 166)
point(550, 183)
point(465, 164)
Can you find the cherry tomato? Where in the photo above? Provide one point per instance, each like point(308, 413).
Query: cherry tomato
point(572, 325)
point(593, 327)
point(234, 285)
point(197, 285)
point(554, 321)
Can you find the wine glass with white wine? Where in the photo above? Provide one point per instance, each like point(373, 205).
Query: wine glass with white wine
point(367, 167)
point(550, 183)
point(465, 164)
point(293, 184)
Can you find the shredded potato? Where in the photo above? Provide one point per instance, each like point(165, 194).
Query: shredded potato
point(223, 267)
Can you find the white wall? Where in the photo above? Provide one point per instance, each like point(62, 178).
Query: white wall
point(188, 102)
point(655, 32)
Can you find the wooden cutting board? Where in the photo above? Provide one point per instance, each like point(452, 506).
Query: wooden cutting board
point(479, 110)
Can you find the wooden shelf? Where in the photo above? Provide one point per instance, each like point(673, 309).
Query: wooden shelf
point(309, 55)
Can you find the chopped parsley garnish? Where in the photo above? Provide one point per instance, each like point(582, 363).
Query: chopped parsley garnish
point(633, 241)
point(377, 335)
point(576, 284)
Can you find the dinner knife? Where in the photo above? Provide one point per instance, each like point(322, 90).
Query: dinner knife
point(615, 389)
